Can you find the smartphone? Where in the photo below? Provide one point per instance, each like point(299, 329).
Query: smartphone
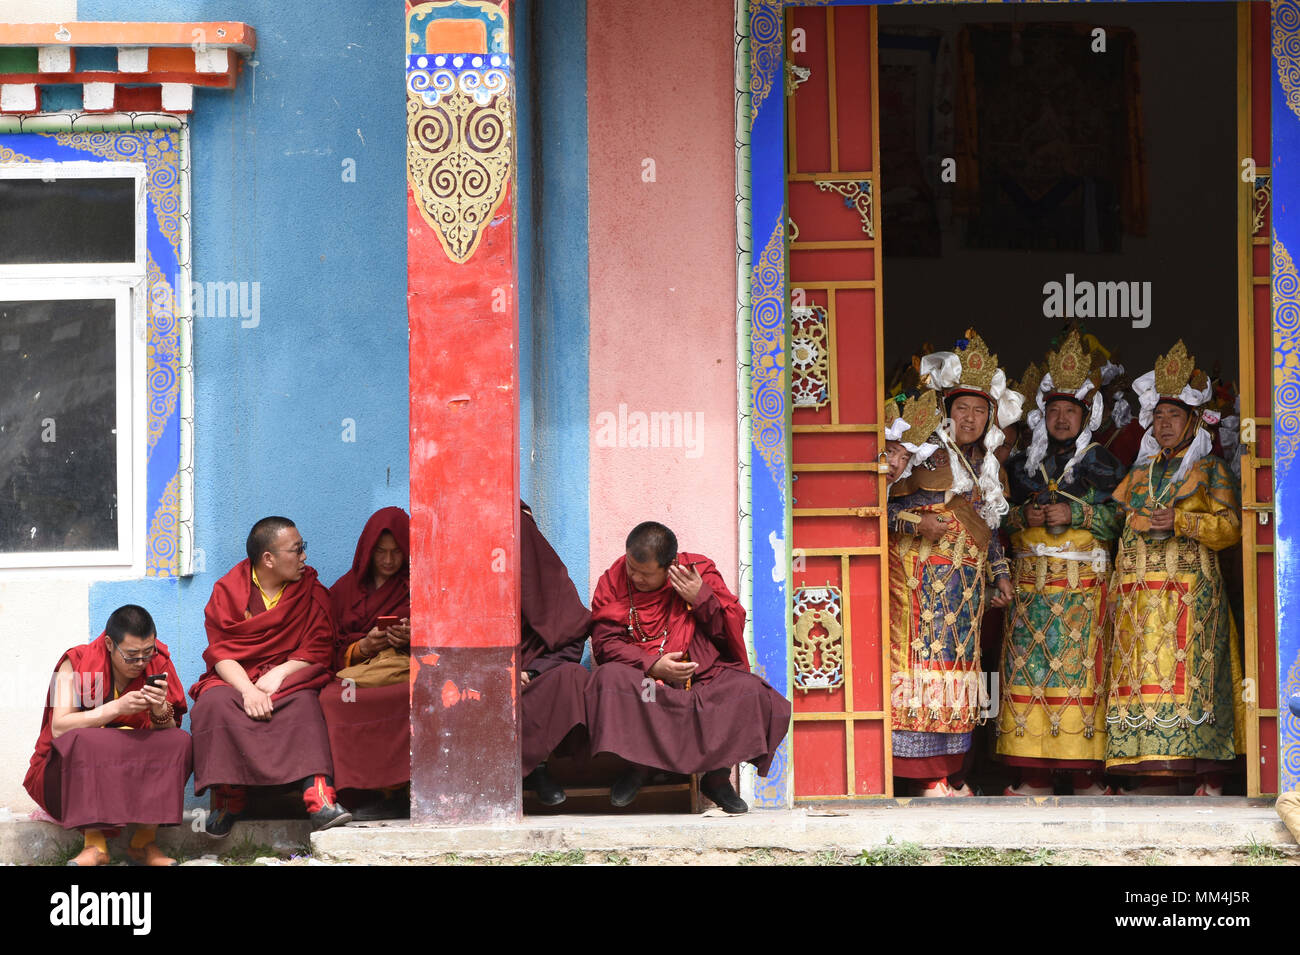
point(383, 623)
point(156, 679)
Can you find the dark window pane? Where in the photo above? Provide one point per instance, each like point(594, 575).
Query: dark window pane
point(58, 419)
point(68, 220)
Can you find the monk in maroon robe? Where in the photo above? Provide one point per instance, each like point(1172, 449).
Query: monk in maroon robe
point(256, 718)
point(673, 690)
point(554, 628)
point(86, 772)
point(370, 726)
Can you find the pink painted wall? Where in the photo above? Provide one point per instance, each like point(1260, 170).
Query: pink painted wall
point(662, 273)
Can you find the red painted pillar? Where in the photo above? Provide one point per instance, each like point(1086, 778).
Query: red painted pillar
point(464, 415)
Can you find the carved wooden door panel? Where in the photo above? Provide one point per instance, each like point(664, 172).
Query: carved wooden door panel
point(1256, 357)
point(839, 589)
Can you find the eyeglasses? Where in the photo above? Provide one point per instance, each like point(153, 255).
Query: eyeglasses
point(144, 657)
point(299, 550)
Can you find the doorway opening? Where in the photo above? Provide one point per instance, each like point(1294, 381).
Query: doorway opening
point(1031, 158)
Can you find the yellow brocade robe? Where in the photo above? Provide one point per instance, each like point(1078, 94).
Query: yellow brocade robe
point(1175, 668)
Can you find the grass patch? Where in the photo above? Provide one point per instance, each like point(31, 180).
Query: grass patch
point(613, 858)
point(975, 855)
point(826, 857)
point(63, 856)
point(986, 855)
point(568, 857)
point(758, 857)
point(245, 852)
point(1258, 854)
point(892, 853)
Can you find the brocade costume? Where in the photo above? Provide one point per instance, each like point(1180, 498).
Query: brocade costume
point(1171, 706)
point(1052, 706)
point(937, 593)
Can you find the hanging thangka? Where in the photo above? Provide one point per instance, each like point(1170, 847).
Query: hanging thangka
point(1053, 164)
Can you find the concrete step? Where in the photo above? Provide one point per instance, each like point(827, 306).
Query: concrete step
point(1053, 823)
point(1170, 824)
point(25, 842)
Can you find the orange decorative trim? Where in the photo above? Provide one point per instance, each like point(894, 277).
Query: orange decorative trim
point(239, 37)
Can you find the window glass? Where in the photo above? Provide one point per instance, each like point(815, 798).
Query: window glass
point(67, 220)
point(58, 420)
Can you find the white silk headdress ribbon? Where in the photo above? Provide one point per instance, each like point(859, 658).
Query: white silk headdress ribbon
point(943, 368)
point(1038, 421)
point(1148, 398)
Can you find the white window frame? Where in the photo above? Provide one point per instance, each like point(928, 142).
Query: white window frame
point(127, 285)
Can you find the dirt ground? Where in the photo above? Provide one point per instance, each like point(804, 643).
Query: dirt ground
point(907, 854)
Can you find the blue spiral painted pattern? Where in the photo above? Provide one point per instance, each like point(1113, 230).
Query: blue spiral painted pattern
point(767, 351)
point(1286, 358)
point(765, 37)
point(1286, 50)
point(164, 539)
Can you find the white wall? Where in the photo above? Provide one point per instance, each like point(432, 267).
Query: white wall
point(42, 618)
point(37, 11)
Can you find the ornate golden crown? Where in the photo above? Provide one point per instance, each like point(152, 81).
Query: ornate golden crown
point(1029, 382)
point(1069, 365)
point(977, 365)
point(921, 412)
point(1175, 370)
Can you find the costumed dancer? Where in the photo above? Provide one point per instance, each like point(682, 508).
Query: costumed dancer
point(942, 550)
point(1051, 716)
point(1172, 706)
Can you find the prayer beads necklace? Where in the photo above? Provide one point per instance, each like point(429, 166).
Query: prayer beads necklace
point(634, 622)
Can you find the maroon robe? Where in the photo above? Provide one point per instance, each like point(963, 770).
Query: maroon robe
point(105, 776)
point(1124, 442)
point(369, 727)
point(554, 627)
point(229, 746)
point(727, 715)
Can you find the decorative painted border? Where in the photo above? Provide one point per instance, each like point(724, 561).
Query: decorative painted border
point(121, 65)
point(1286, 373)
point(158, 143)
point(744, 249)
point(761, 29)
point(765, 336)
point(459, 147)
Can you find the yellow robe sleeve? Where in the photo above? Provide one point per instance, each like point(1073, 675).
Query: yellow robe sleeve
point(1212, 515)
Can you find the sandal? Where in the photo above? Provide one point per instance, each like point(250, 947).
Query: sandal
point(90, 856)
point(150, 855)
point(1030, 791)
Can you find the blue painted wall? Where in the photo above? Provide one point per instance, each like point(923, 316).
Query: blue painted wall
point(551, 74)
point(1286, 400)
point(270, 206)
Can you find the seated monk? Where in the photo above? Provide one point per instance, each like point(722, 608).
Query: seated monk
point(673, 689)
point(554, 625)
point(256, 718)
point(368, 706)
point(85, 772)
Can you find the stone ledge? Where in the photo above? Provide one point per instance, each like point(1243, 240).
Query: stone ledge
point(1052, 823)
point(848, 829)
point(24, 841)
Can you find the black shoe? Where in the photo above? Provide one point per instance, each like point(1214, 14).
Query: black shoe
point(329, 816)
point(396, 806)
point(219, 823)
point(540, 782)
point(625, 788)
point(725, 795)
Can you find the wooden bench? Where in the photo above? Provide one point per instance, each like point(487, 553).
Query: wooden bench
point(587, 784)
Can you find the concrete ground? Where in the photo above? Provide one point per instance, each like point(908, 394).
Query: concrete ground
point(1050, 830)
